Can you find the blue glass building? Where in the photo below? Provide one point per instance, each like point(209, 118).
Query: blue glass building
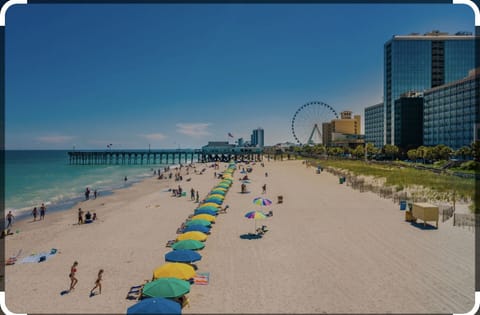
point(257, 138)
point(414, 63)
point(451, 113)
point(374, 125)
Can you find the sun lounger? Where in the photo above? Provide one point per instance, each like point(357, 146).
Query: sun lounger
point(135, 292)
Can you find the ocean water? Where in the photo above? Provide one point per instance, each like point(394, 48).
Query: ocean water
point(36, 177)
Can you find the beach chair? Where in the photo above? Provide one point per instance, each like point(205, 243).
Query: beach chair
point(136, 292)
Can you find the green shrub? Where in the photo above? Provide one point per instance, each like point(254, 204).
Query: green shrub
point(470, 166)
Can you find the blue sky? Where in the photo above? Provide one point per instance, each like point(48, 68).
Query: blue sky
point(175, 76)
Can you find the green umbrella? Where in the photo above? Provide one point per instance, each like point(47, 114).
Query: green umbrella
point(224, 185)
point(217, 192)
point(198, 222)
point(188, 244)
point(166, 287)
point(210, 208)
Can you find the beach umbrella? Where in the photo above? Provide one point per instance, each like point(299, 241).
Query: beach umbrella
point(166, 287)
point(174, 270)
point(223, 185)
point(157, 305)
point(192, 235)
point(199, 228)
point(205, 211)
point(188, 244)
point(220, 188)
point(182, 255)
point(217, 201)
point(255, 215)
point(209, 208)
point(208, 204)
point(216, 196)
point(207, 217)
point(198, 222)
point(226, 182)
point(218, 192)
point(262, 201)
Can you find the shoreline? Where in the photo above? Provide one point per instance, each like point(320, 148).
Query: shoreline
point(328, 249)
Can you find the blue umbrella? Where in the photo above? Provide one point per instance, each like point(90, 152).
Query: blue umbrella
point(183, 255)
point(156, 305)
point(197, 227)
point(214, 200)
point(205, 211)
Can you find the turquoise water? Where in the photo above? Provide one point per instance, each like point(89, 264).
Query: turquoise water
point(36, 177)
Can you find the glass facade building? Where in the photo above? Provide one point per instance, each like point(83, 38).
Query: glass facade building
point(451, 113)
point(374, 118)
point(420, 62)
point(409, 121)
point(257, 138)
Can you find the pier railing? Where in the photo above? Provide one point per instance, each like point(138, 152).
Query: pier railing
point(179, 156)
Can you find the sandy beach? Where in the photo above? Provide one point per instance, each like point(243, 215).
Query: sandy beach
point(328, 249)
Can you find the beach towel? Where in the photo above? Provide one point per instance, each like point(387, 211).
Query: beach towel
point(35, 258)
point(201, 278)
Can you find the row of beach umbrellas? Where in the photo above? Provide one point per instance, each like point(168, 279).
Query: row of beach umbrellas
point(171, 279)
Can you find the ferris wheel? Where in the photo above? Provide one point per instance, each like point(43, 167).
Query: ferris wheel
point(307, 122)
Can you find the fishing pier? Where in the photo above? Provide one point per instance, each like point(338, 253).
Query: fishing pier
point(152, 157)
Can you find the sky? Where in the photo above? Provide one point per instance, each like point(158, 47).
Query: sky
point(180, 75)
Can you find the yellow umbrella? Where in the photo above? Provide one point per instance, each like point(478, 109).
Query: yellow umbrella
point(174, 270)
point(209, 204)
point(220, 188)
point(216, 196)
point(204, 216)
point(192, 235)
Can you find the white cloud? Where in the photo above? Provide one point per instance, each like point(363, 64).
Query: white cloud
point(194, 129)
point(55, 139)
point(154, 136)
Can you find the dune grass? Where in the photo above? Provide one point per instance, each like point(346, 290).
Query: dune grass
point(401, 177)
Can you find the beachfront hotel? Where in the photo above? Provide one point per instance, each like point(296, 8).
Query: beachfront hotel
point(344, 131)
point(374, 125)
point(451, 114)
point(418, 62)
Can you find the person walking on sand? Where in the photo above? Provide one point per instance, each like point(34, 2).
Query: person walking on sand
point(197, 197)
point(43, 209)
point(264, 189)
point(192, 194)
point(98, 283)
point(95, 194)
point(9, 219)
point(80, 216)
point(73, 280)
point(34, 213)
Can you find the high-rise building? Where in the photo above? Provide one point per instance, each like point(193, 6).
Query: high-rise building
point(419, 62)
point(409, 121)
point(451, 114)
point(374, 128)
point(257, 138)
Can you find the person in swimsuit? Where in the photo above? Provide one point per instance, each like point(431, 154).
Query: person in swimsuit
point(98, 283)
point(73, 280)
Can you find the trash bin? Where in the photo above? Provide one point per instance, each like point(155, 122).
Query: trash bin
point(403, 205)
point(340, 180)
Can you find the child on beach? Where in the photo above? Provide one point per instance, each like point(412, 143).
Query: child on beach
point(98, 283)
point(73, 280)
point(80, 216)
point(34, 213)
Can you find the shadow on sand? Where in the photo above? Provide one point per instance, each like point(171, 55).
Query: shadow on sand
point(419, 225)
point(250, 236)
